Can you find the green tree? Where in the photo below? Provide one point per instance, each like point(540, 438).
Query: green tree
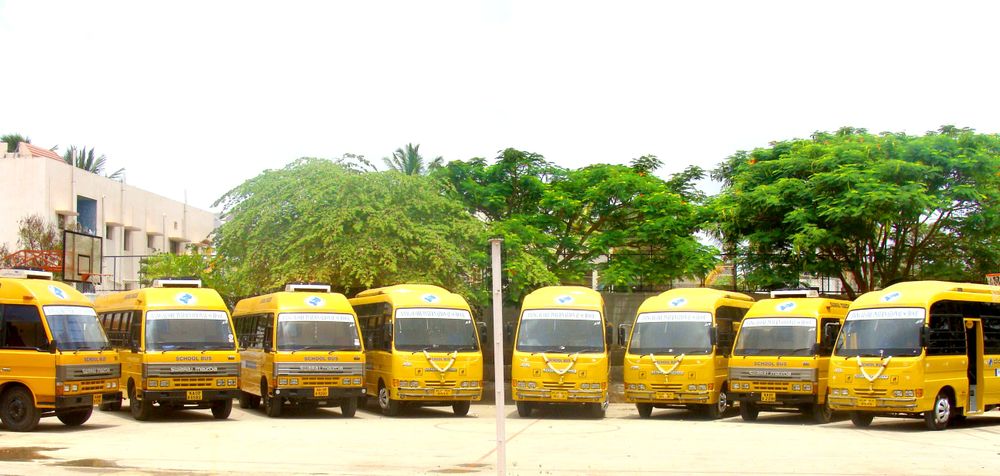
point(869, 209)
point(209, 268)
point(409, 161)
point(12, 140)
point(318, 221)
point(87, 160)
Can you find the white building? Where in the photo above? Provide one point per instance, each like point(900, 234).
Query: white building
point(132, 222)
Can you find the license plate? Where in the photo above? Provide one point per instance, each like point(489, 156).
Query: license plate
point(768, 396)
point(866, 402)
point(193, 395)
point(665, 395)
point(98, 398)
point(560, 395)
point(321, 392)
point(442, 392)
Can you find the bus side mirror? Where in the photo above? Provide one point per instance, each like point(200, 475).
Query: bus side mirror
point(622, 334)
point(53, 346)
point(609, 335)
point(483, 335)
point(925, 336)
point(508, 331)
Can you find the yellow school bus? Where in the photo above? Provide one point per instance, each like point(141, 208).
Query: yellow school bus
point(921, 348)
point(301, 346)
point(177, 347)
point(561, 350)
point(677, 354)
point(54, 358)
point(781, 358)
point(422, 348)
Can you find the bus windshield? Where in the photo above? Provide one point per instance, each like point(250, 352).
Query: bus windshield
point(76, 328)
point(881, 333)
point(317, 331)
point(560, 330)
point(188, 330)
point(785, 336)
point(434, 330)
point(672, 333)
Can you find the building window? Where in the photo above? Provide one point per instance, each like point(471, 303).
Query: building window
point(175, 247)
point(127, 240)
point(151, 242)
point(108, 230)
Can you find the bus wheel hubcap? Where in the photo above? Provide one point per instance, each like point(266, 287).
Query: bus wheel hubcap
point(942, 410)
point(723, 402)
point(383, 397)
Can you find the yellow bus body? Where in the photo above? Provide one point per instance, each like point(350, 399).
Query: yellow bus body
point(694, 381)
point(173, 378)
point(305, 377)
point(785, 382)
point(942, 383)
point(419, 377)
point(553, 375)
point(60, 382)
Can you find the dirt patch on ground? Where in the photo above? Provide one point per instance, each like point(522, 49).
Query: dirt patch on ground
point(24, 453)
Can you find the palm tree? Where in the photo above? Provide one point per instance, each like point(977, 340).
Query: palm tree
point(409, 161)
point(86, 160)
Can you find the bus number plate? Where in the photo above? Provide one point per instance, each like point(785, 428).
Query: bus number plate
point(98, 398)
point(560, 395)
point(193, 395)
point(665, 395)
point(768, 396)
point(442, 392)
point(866, 402)
point(321, 392)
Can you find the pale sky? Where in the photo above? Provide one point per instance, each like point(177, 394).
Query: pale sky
point(199, 96)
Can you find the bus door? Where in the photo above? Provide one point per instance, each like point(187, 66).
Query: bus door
point(973, 338)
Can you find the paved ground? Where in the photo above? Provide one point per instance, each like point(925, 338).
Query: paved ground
point(432, 441)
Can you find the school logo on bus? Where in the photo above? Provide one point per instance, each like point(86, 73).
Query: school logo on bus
point(893, 296)
point(678, 302)
point(786, 306)
point(186, 298)
point(314, 301)
point(430, 298)
point(59, 293)
point(564, 299)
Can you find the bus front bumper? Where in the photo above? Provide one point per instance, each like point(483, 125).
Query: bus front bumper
point(318, 393)
point(74, 401)
point(181, 396)
point(650, 396)
point(880, 404)
point(419, 393)
point(570, 395)
point(779, 399)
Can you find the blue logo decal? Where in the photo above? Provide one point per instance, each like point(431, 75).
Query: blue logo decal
point(186, 298)
point(314, 301)
point(678, 302)
point(59, 293)
point(564, 299)
point(786, 306)
point(430, 298)
point(891, 296)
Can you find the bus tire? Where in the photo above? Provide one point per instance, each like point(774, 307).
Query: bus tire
point(862, 419)
point(17, 410)
point(523, 409)
point(718, 409)
point(76, 417)
point(749, 410)
point(645, 409)
point(597, 410)
point(388, 406)
point(937, 417)
point(821, 413)
point(461, 408)
point(348, 407)
point(271, 403)
point(222, 408)
point(141, 409)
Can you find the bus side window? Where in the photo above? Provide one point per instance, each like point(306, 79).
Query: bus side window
point(134, 337)
point(990, 315)
point(266, 326)
point(22, 327)
point(947, 329)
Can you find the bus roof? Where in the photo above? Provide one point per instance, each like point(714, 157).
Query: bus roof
point(799, 307)
point(412, 295)
point(564, 297)
point(692, 299)
point(42, 292)
point(294, 301)
point(161, 298)
point(924, 293)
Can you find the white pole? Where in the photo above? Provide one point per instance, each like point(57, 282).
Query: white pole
point(498, 360)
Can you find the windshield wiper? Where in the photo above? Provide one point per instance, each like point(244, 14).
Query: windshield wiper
point(588, 350)
point(309, 347)
point(342, 349)
point(791, 352)
point(549, 351)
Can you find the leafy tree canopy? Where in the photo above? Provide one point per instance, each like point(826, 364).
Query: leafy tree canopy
point(868, 208)
point(12, 141)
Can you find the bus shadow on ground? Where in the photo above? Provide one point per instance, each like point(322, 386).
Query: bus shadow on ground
point(678, 414)
point(989, 422)
point(412, 411)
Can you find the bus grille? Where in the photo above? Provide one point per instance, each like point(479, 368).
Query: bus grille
point(770, 386)
point(557, 385)
point(91, 385)
point(192, 382)
point(439, 383)
point(321, 381)
point(667, 387)
point(870, 393)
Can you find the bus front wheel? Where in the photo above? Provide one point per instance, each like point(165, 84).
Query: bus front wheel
point(141, 409)
point(75, 418)
point(862, 419)
point(524, 409)
point(718, 410)
point(271, 403)
point(348, 407)
point(461, 408)
point(938, 416)
point(389, 406)
point(222, 408)
point(17, 410)
point(822, 413)
point(645, 409)
point(749, 410)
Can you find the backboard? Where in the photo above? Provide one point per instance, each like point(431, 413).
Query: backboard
point(81, 257)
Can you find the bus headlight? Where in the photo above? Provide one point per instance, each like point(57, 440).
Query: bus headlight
point(631, 386)
point(585, 386)
point(908, 393)
point(164, 383)
point(154, 383)
point(796, 387)
point(220, 382)
point(357, 381)
point(532, 385)
point(702, 387)
point(231, 381)
point(295, 381)
point(692, 387)
point(807, 387)
point(897, 393)
point(282, 381)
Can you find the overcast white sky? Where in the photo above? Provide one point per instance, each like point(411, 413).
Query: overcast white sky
point(199, 96)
